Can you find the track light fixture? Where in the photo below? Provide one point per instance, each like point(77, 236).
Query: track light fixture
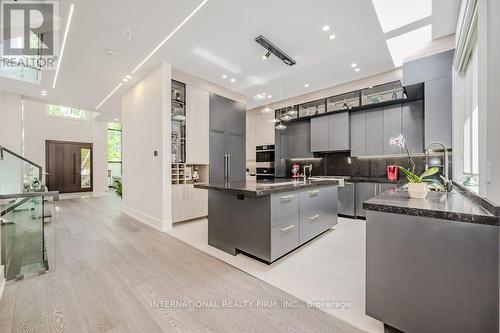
point(265, 56)
point(271, 48)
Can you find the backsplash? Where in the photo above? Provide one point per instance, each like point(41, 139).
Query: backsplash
point(341, 164)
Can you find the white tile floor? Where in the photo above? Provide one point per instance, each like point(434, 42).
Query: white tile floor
point(331, 267)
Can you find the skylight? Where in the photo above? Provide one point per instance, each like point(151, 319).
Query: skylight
point(393, 14)
point(405, 45)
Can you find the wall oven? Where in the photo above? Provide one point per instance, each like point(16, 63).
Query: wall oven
point(264, 162)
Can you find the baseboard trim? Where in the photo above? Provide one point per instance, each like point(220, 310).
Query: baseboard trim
point(143, 217)
point(2, 281)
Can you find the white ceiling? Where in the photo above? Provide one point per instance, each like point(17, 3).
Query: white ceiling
point(219, 39)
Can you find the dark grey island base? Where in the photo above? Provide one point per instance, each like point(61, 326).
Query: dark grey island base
point(431, 264)
point(267, 221)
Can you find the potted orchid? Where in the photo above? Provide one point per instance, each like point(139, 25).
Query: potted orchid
point(417, 186)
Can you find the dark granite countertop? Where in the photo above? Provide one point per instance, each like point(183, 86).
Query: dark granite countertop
point(383, 180)
point(262, 188)
point(454, 206)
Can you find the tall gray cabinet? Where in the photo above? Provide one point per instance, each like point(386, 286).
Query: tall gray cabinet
point(227, 136)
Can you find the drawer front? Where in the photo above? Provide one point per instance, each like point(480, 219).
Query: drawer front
point(318, 212)
point(284, 238)
point(284, 208)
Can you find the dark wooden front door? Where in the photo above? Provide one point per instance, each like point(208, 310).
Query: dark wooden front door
point(69, 166)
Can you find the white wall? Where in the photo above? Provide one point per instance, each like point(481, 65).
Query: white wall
point(39, 127)
point(11, 122)
point(146, 128)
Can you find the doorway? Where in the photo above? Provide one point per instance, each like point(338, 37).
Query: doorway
point(68, 166)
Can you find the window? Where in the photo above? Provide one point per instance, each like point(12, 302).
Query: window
point(67, 112)
point(114, 152)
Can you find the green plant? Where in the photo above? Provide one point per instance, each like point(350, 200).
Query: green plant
point(414, 178)
point(118, 188)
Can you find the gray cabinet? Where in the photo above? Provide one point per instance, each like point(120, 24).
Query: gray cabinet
point(320, 134)
point(227, 136)
point(358, 133)
point(294, 141)
point(364, 191)
point(330, 133)
point(346, 199)
point(375, 132)
point(393, 126)
point(438, 111)
point(413, 125)
point(317, 214)
point(338, 132)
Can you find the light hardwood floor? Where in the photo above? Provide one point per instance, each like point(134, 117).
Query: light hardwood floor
point(110, 269)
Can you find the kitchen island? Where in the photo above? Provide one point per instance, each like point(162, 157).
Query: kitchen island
point(431, 264)
point(267, 220)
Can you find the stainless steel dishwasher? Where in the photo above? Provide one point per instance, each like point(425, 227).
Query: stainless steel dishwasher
point(347, 199)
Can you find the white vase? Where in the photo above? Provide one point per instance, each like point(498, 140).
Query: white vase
point(417, 190)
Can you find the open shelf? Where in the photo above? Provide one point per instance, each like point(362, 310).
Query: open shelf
point(182, 173)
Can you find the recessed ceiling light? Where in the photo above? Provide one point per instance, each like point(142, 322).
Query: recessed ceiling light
point(116, 119)
point(44, 93)
point(125, 79)
point(263, 94)
point(233, 80)
point(109, 52)
point(332, 36)
point(128, 77)
point(269, 96)
point(357, 70)
point(354, 65)
point(266, 110)
point(70, 16)
point(280, 127)
point(224, 76)
point(275, 120)
point(306, 85)
point(326, 28)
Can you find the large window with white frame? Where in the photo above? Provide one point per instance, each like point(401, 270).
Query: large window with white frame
point(67, 112)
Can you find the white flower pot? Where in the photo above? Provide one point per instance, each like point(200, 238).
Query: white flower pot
point(417, 190)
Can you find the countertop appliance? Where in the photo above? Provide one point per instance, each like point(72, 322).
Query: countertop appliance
point(265, 162)
point(392, 172)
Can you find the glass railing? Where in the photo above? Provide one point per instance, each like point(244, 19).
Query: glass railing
point(28, 233)
point(17, 174)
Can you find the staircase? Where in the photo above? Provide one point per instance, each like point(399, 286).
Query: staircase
point(27, 217)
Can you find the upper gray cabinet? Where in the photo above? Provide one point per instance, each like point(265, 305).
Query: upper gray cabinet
point(372, 130)
point(375, 132)
point(413, 125)
point(330, 133)
point(393, 126)
point(435, 71)
point(338, 132)
point(294, 141)
point(358, 133)
point(319, 134)
point(438, 111)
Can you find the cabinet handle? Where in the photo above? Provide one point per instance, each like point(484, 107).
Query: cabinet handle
point(286, 197)
point(289, 227)
point(314, 217)
point(313, 193)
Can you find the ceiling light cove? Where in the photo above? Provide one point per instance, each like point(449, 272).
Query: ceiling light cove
point(393, 14)
point(407, 44)
point(151, 53)
point(59, 61)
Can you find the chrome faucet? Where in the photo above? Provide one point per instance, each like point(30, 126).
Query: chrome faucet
point(310, 168)
point(446, 177)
